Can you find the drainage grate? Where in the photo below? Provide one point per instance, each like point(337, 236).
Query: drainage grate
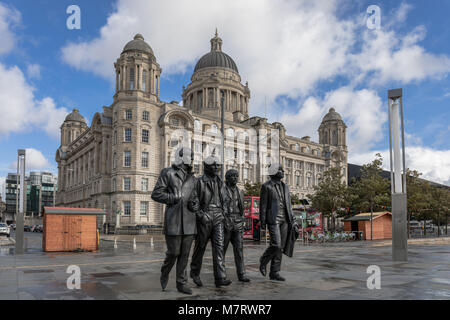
point(107, 274)
point(38, 271)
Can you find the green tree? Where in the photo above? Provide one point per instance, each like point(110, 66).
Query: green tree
point(371, 192)
point(295, 199)
point(439, 203)
point(418, 193)
point(330, 194)
point(252, 189)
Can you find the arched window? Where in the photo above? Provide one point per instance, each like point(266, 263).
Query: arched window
point(210, 98)
point(199, 99)
point(230, 132)
point(308, 180)
point(197, 125)
point(177, 121)
point(335, 141)
point(297, 147)
point(214, 128)
point(297, 179)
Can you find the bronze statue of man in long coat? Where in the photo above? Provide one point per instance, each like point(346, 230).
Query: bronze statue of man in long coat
point(174, 188)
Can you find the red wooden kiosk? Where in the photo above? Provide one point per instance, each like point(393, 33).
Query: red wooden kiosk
point(70, 229)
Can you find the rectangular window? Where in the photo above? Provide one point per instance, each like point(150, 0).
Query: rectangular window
point(127, 208)
point(245, 174)
point(144, 80)
point(131, 78)
point(144, 208)
point(127, 159)
point(128, 114)
point(144, 184)
point(126, 184)
point(115, 137)
point(127, 135)
point(145, 135)
point(145, 115)
point(144, 159)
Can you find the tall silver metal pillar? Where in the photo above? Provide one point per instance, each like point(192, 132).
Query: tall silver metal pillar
point(21, 208)
point(398, 176)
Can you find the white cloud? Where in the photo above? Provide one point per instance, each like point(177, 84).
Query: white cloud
point(281, 47)
point(21, 111)
point(34, 71)
point(284, 49)
point(364, 128)
point(34, 160)
point(9, 18)
point(433, 164)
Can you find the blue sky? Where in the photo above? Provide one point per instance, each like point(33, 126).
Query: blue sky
point(302, 57)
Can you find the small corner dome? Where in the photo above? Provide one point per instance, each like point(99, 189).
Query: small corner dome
point(138, 44)
point(332, 115)
point(75, 116)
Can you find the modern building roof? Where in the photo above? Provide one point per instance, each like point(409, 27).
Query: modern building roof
point(138, 44)
point(75, 116)
point(366, 216)
point(216, 58)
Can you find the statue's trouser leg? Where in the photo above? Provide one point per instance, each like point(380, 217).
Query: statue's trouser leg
point(182, 261)
point(203, 235)
point(226, 241)
point(237, 241)
point(217, 240)
point(173, 250)
point(282, 236)
point(275, 242)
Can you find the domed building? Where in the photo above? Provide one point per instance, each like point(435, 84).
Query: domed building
point(114, 163)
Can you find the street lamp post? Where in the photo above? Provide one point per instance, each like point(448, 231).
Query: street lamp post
point(20, 210)
point(222, 130)
point(398, 185)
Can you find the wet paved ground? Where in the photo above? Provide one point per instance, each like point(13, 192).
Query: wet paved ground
point(330, 271)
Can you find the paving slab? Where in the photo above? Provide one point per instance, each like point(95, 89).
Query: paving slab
point(326, 271)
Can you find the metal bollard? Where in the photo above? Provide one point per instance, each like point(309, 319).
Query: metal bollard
point(151, 241)
point(134, 243)
point(115, 243)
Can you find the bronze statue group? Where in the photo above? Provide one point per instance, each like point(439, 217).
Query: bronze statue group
point(204, 208)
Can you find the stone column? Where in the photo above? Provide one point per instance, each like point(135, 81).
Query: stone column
point(117, 81)
point(204, 102)
point(218, 97)
point(151, 74)
point(158, 85)
point(238, 102)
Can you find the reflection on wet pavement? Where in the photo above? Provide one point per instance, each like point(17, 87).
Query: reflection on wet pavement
point(331, 271)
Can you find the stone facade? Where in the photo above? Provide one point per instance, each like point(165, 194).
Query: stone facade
point(114, 163)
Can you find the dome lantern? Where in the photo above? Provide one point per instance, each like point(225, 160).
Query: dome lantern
point(216, 57)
